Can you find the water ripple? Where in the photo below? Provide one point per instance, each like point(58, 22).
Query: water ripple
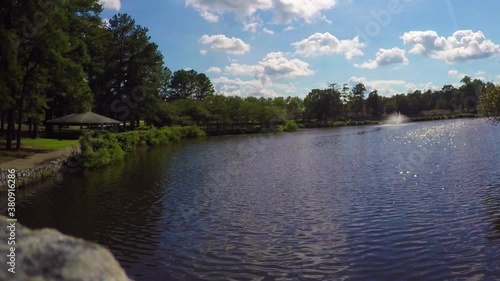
point(415, 202)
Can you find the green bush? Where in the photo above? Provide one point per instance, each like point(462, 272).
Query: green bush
point(99, 150)
point(128, 141)
point(291, 126)
point(191, 132)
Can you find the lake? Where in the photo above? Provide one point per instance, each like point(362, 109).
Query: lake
point(419, 201)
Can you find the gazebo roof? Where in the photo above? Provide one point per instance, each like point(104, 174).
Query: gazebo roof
point(83, 119)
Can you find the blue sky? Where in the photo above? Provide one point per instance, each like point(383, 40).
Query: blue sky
point(288, 47)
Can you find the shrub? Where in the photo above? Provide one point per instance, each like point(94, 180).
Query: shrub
point(291, 126)
point(191, 132)
point(128, 141)
point(99, 150)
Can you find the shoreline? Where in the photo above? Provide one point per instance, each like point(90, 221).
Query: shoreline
point(41, 166)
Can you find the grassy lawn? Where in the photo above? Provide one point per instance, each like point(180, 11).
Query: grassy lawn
point(47, 144)
point(31, 146)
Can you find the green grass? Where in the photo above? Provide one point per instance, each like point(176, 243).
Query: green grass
point(47, 144)
point(32, 146)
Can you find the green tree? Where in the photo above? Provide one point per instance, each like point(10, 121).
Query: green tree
point(490, 102)
point(358, 95)
point(40, 55)
point(189, 84)
point(294, 108)
point(472, 92)
point(323, 104)
point(134, 72)
point(373, 103)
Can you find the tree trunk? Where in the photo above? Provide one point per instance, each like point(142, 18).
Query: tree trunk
point(10, 129)
point(30, 126)
point(20, 122)
point(35, 131)
point(132, 124)
point(2, 122)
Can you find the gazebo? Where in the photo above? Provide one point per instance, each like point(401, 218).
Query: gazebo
point(87, 118)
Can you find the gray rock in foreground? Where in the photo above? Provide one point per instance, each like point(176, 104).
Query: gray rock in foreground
point(46, 254)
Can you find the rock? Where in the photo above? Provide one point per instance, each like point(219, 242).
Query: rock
point(46, 254)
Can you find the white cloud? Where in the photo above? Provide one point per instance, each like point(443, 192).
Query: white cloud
point(273, 66)
point(497, 77)
point(288, 28)
point(237, 69)
point(220, 42)
point(285, 11)
point(463, 45)
point(209, 17)
point(384, 87)
point(480, 75)
point(268, 31)
point(203, 52)
point(238, 87)
point(214, 69)
point(251, 27)
point(385, 57)
point(265, 76)
point(277, 66)
point(410, 87)
point(320, 44)
point(111, 4)
point(452, 72)
point(324, 18)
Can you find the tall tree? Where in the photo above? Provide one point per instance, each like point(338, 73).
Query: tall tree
point(133, 72)
point(39, 53)
point(358, 95)
point(490, 102)
point(373, 103)
point(189, 84)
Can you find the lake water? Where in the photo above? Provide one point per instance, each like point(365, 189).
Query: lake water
point(419, 201)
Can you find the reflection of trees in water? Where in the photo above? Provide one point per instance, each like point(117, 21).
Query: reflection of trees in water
point(492, 203)
point(119, 206)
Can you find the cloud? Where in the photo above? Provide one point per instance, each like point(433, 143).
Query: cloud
point(220, 42)
point(463, 45)
point(251, 27)
point(265, 74)
point(111, 4)
point(288, 11)
point(237, 69)
point(320, 44)
point(277, 66)
point(285, 11)
point(454, 73)
point(288, 28)
point(480, 75)
point(384, 87)
point(203, 52)
point(214, 69)
point(273, 66)
point(237, 87)
point(268, 31)
point(385, 57)
point(209, 17)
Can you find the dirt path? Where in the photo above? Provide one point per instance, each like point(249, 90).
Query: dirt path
point(36, 159)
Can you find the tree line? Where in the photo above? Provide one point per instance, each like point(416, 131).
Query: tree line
point(59, 57)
